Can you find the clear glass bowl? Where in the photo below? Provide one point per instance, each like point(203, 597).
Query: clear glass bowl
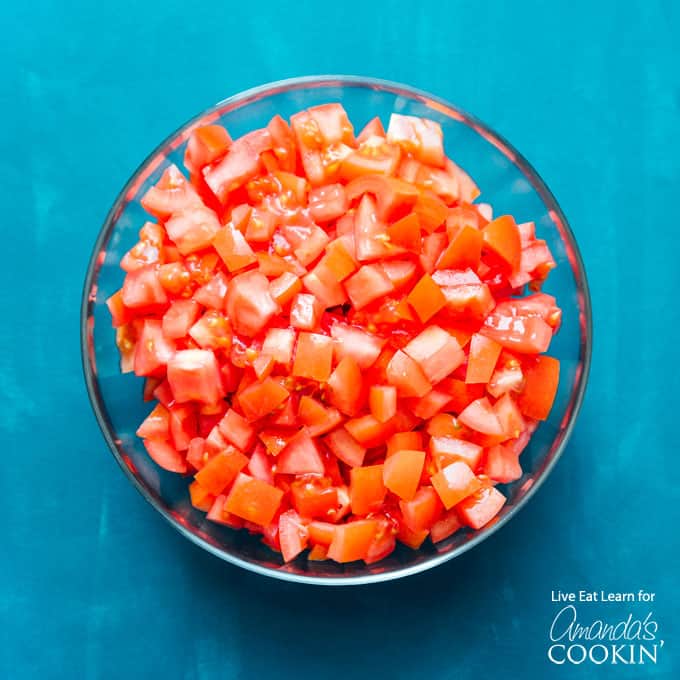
point(506, 180)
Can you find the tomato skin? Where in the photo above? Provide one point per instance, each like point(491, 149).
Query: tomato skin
point(502, 236)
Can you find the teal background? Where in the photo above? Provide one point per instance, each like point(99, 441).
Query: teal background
point(93, 584)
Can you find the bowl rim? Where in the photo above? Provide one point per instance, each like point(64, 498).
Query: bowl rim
point(490, 135)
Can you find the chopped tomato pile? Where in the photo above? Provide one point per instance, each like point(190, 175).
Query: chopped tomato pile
point(335, 335)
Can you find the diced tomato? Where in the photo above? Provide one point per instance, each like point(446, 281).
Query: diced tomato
point(293, 535)
point(383, 542)
point(426, 298)
point(368, 284)
point(152, 350)
point(206, 145)
point(301, 456)
point(316, 417)
point(407, 376)
point(143, 291)
point(482, 359)
point(366, 489)
point(383, 402)
point(313, 356)
point(156, 425)
point(374, 128)
point(201, 498)
point(425, 508)
point(463, 251)
point(444, 527)
point(237, 430)
point(404, 441)
point(480, 416)
point(345, 447)
point(402, 471)
point(183, 426)
point(217, 513)
point(253, 500)
point(502, 464)
point(351, 541)
point(192, 229)
point(305, 312)
point(436, 352)
point(171, 193)
point(421, 137)
point(355, 342)
point(221, 470)
point(327, 203)
point(335, 334)
point(374, 156)
point(249, 304)
point(394, 199)
point(454, 483)
point(322, 282)
point(278, 344)
point(314, 497)
point(406, 233)
point(446, 448)
point(240, 164)
point(260, 465)
point(371, 240)
point(480, 508)
point(165, 455)
point(261, 398)
point(528, 335)
point(542, 377)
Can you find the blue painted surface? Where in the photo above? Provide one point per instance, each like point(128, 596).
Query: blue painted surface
point(92, 583)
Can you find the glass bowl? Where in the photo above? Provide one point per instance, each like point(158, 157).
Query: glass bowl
point(506, 180)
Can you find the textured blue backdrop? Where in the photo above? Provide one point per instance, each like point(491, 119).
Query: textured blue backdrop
point(92, 583)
